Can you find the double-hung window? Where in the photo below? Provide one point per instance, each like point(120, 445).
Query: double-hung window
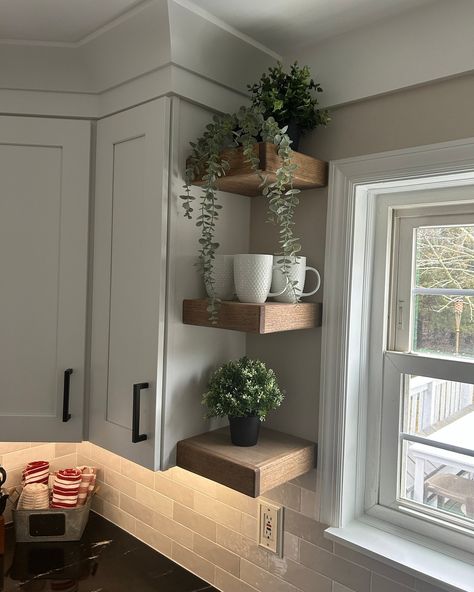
point(427, 385)
point(397, 386)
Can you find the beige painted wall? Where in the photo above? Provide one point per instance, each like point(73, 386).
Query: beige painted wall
point(434, 113)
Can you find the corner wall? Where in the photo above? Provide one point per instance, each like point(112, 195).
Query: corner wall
point(435, 113)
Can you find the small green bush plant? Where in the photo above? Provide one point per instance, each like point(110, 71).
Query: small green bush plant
point(289, 97)
point(242, 388)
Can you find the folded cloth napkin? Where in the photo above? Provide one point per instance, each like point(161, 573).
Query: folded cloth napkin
point(36, 471)
point(66, 488)
point(35, 496)
point(87, 483)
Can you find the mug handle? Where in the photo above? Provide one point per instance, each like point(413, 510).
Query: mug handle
point(273, 294)
point(318, 282)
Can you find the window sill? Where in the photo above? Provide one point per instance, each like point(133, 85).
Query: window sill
point(398, 552)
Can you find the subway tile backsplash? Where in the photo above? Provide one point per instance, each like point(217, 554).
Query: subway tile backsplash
point(212, 530)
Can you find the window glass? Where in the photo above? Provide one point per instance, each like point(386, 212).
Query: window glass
point(440, 413)
point(438, 480)
point(443, 291)
point(432, 404)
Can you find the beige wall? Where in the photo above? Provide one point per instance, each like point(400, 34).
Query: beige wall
point(435, 113)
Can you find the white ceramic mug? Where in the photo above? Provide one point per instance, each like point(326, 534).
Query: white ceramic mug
point(253, 278)
point(223, 273)
point(297, 273)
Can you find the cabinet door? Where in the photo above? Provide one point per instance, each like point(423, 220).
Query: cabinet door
point(44, 197)
point(129, 279)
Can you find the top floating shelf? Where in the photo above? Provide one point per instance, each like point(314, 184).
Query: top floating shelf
point(241, 179)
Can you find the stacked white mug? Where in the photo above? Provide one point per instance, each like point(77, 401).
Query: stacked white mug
point(297, 269)
point(254, 278)
point(223, 275)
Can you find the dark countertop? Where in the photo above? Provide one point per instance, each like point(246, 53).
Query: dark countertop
point(106, 559)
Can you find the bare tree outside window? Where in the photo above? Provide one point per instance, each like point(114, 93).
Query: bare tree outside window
point(444, 290)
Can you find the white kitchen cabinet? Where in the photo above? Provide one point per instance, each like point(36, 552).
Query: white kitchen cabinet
point(144, 266)
point(44, 204)
point(129, 280)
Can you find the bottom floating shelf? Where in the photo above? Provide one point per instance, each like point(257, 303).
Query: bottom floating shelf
point(269, 317)
point(252, 470)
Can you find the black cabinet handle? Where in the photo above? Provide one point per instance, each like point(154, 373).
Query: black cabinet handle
point(136, 436)
point(67, 380)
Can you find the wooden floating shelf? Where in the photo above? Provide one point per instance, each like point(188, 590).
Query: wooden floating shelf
point(252, 470)
point(269, 317)
point(241, 179)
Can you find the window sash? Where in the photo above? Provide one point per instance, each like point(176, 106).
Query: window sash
point(405, 221)
point(395, 366)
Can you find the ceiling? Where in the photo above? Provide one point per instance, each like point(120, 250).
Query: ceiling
point(281, 25)
point(59, 21)
point(286, 25)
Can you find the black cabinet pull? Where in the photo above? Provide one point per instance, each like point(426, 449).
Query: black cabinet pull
point(136, 436)
point(67, 380)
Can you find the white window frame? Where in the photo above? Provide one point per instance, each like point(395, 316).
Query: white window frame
point(357, 188)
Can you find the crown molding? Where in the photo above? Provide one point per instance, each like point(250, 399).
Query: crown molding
point(189, 5)
point(169, 80)
point(131, 54)
point(415, 48)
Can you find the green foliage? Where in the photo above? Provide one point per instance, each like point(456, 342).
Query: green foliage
point(289, 97)
point(240, 129)
point(241, 388)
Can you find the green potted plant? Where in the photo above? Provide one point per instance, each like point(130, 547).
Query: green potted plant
point(289, 97)
point(245, 391)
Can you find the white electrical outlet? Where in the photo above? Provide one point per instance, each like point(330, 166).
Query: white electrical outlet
point(270, 527)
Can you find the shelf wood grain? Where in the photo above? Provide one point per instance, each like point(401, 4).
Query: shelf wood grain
point(269, 317)
point(241, 179)
point(252, 470)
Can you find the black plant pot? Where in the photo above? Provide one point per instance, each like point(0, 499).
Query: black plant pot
point(294, 133)
point(244, 430)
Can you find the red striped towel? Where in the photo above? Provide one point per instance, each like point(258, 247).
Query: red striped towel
point(87, 484)
point(36, 471)
point(66, 488)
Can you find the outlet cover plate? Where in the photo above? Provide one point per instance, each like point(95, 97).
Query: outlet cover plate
point(270, 527)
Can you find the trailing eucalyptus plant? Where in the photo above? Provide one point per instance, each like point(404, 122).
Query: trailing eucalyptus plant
point(241, 129)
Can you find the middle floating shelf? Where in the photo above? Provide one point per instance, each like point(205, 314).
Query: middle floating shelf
point(269, 317)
